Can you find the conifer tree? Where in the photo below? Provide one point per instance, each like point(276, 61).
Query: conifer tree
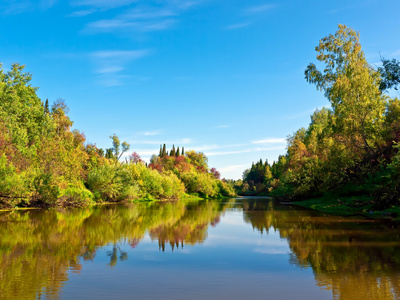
point(164, 151)
point(177, 152)
point(172, 153)
point(46, 106)
point(183, 150)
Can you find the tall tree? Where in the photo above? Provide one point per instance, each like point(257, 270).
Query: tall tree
point(117, 151)
point(172, 152)
point(351, 86)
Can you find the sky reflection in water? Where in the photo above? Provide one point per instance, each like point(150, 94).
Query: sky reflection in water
point(235, 249)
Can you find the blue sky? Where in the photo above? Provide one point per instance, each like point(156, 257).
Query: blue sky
point(225, 77)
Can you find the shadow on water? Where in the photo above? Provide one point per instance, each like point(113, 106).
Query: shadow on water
point(354, 258)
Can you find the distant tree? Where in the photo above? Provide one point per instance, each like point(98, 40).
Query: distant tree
point(164, 151)
point(177, 152)
point(172, 152)
point(183, 151)
point(109, 153)
point(117, 151)
point(135, 158)
point(217, 175)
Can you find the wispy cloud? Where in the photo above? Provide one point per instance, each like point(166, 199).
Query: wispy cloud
point(127, 25)
point(150, 133)
point(216, 153)
point(102, 3)
point(233, 168)
point(16, 7)
point(270, 141)
point(120, 54)
point(237, 26)
point(48, 3)
point(82, 13)
point(110, 63)
point(260, 8)
point(156, 16)
point(215, 147)
point(184, 141)
point(22, 6)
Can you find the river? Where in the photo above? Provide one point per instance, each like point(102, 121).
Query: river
point(241, 248)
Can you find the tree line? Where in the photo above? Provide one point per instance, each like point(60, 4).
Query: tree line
point(44, 162)
point(349, 149)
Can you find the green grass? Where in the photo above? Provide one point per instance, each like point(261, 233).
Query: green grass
point(329, 204)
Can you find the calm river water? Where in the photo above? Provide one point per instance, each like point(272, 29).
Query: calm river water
point(243, 248)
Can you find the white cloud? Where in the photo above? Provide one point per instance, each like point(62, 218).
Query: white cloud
point(110, 63)
point(16, 7)
point(150, 133)
point(260, 8)
point(119, 54)
point(154, 16)
point(184, 141)
point(214, 147)
point(147, 14)
point(82, 13)
point(237, 26)
point(48, 3)
point(109, 69)
point(245, 151)
point(270, 141)
point(233, 168)
point(118, 25)
point(21, 6)
point(102, 3)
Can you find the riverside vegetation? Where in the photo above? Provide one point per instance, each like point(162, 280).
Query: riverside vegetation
point(43, 162)
point(348, 158)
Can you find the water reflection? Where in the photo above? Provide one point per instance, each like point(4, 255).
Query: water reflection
point(353, 258)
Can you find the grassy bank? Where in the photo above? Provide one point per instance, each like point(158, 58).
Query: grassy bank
point(348, 206)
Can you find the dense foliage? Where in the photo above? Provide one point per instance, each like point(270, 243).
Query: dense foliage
point(44, 162)
point(350, 148)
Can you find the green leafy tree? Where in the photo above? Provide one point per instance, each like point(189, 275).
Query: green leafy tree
point(352, 87)
point(390, 73)
point(118, 148)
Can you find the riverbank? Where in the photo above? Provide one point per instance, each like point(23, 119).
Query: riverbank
point(184, 198)
point(348, 206)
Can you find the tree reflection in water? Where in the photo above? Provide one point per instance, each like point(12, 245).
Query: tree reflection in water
point(355, 258)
